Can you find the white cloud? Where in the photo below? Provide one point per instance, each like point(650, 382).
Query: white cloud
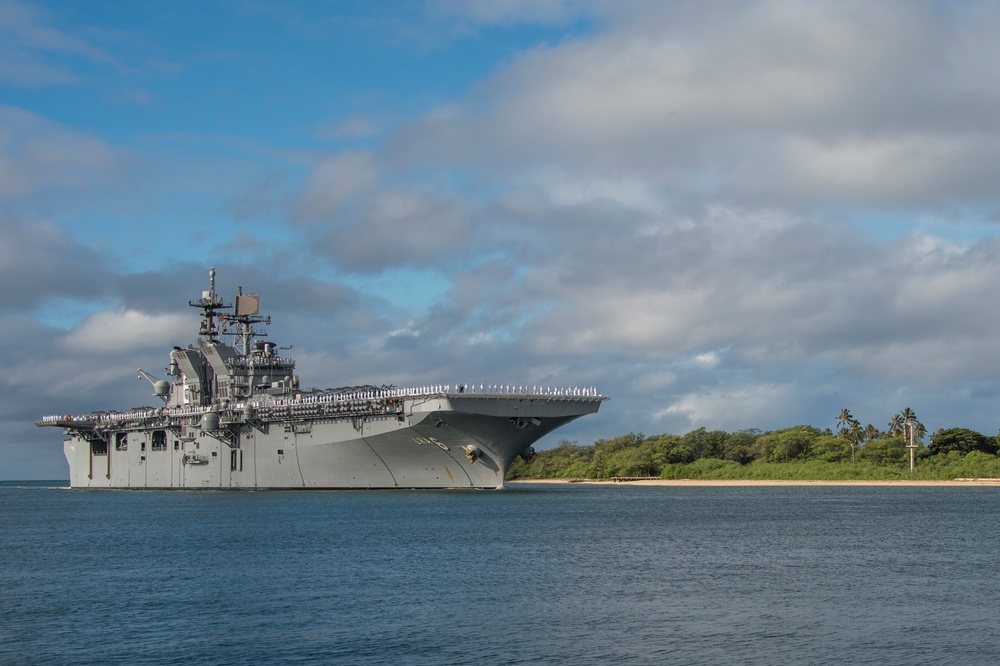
point(396, 228)
point(28, 39)
point(707, 359)
point(124, 331)
point(39, 260)
point(734, 407)
point(769, 103)
point(913, 169)
point(334, 182)
point(36, 155)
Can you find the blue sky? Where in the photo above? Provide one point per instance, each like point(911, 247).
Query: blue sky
point(724, 215)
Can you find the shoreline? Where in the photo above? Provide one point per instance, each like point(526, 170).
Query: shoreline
point(758, 482)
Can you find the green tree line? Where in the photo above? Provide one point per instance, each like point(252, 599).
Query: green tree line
point(800, 452)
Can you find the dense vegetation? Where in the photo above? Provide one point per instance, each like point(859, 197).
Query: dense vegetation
point(797, 453)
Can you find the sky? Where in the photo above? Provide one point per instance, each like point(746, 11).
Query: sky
point(729, 215)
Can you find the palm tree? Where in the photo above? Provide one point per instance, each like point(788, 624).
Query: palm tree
point(872, 433)
point(856, 436)
point(850, 429)
point(895, 425)
point(844, 419)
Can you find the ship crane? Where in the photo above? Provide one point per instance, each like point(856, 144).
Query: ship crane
point(161, 388)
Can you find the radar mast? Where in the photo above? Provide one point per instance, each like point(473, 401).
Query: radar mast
point(215, 323)
point(247, 314)
point(210, 303)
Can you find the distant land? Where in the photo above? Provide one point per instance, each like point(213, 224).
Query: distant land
point(796, 454)
point(757, 482)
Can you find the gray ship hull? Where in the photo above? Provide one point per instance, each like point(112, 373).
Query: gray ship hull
point(431, 441)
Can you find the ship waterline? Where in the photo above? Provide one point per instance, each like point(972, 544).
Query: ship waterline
point(226, 424)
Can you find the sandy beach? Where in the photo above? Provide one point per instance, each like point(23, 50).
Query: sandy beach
point(743, 482)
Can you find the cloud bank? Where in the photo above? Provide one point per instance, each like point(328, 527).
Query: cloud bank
point(729, 215)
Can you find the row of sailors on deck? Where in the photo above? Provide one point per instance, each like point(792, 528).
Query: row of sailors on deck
point(375, 394)
point(508, 389)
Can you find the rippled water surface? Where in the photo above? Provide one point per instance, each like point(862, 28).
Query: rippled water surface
point(539, 574)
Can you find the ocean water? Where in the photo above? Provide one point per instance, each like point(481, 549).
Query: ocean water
point(534, 574)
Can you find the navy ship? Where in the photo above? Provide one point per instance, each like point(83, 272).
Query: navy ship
point(234, 417)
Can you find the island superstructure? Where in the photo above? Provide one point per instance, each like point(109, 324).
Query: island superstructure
point(235, 417)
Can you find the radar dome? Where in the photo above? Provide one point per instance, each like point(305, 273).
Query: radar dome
point(210, 421)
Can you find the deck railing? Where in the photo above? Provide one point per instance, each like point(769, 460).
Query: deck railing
point(347, 401)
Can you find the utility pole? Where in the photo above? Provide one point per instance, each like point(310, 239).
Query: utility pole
point(909, 432)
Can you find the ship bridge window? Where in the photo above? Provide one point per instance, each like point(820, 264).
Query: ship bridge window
point(121, 441)
point(159, 440)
